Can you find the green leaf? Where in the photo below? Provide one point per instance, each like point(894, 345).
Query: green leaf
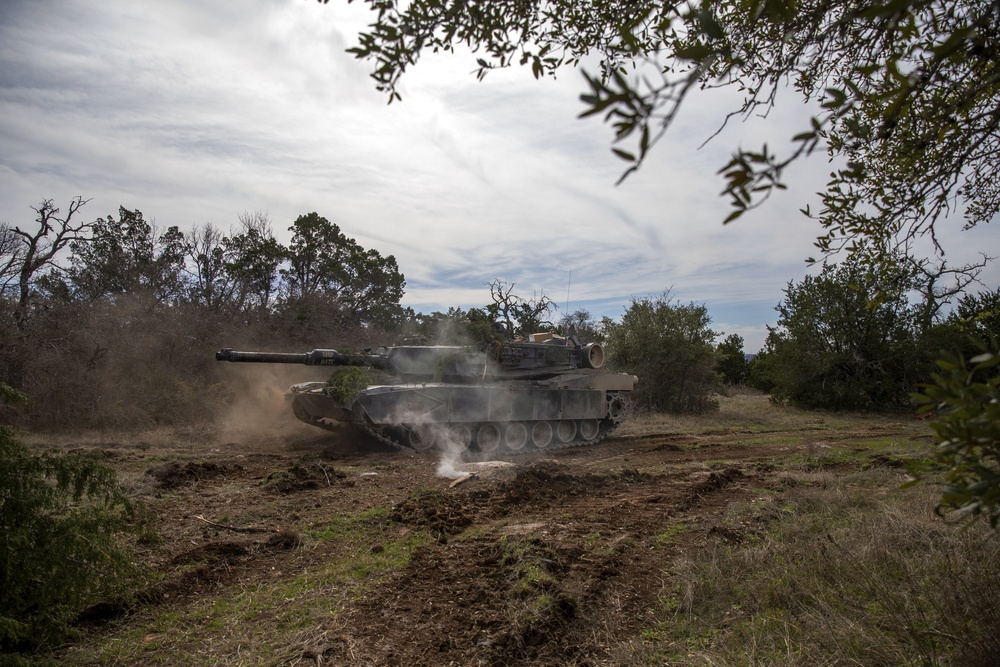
point(625, 155)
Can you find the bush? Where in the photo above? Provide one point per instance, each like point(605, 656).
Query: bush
point(61, 517)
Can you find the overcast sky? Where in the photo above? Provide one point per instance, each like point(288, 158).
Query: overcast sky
point(196, 111)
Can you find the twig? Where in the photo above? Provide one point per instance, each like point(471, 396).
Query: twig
point(234, 528)
point(323, 468)
point(464, 478)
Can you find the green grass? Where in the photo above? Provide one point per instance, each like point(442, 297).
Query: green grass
point(666, 537)
point(232, 620)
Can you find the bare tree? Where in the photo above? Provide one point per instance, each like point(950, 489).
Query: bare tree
point(938, 284)
point(518, 315)
point(30, 252)
point(11, 251)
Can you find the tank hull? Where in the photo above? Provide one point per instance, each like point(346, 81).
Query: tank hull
point(569, 410)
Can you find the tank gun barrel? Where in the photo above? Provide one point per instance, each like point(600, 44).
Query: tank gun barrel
point(314, 358)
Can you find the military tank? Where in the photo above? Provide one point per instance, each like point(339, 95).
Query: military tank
point(542, 393)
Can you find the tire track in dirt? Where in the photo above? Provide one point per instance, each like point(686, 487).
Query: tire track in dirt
point(583, 536)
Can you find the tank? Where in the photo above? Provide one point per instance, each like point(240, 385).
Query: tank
point(543, 393)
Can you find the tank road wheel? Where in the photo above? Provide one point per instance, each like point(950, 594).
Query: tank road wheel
point(421, 437)
point(541, 434)
point(566, 431)
point(515, 436)
point(488, 438)
point(589, 428)
point(459, 435)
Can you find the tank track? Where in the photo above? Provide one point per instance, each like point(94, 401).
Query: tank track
point(619, 407)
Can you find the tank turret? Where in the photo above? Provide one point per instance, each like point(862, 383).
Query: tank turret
point(542, 393)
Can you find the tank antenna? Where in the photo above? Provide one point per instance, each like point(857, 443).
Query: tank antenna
point(569, 281)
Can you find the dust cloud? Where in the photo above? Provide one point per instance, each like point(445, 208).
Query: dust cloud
point(259, 408)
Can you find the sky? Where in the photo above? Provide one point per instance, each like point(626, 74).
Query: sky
point(197, 111)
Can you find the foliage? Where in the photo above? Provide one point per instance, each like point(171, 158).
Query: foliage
point(61, 516)
point(759, 374)
point(326, 265)
point(345, 383)
point(252, 258)
point(455, 327)
point(964, 399)
point(732, 361)
point(670, 347)
point(121, 332)
point(978, 315)
point(906, 92)
point(127, 255)
point(834, 347)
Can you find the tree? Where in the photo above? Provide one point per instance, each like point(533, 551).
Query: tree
point(978, 314)
point(252, 258)
point(210, 284)
point(832, 348)
point(732, 364)
point(670, 347)
point(328, 267)
point(517, 315)
point(455, 327)
point(24, 255)
point(126, 256)
point(587, 330)
point(907, 91)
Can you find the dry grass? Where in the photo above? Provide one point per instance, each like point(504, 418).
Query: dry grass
point(845, 570)
point(749, 411)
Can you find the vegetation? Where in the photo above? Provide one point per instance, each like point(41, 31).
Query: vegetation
point(61, 519)
point(732, 361)
point(814, 555)
point(121, 331)
point(907, 95)
point(835, 570)
point(965, 397)
point(833, 349)
point(670, 346)
point(327, 270)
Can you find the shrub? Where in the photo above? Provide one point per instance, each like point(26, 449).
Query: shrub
point(61, 516)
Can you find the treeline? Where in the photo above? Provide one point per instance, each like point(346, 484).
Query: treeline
point(114, 322)
point(853, 339)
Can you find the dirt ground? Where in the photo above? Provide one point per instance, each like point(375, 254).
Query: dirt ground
point(548, 558)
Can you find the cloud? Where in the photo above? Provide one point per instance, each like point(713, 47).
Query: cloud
point(196, 112)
